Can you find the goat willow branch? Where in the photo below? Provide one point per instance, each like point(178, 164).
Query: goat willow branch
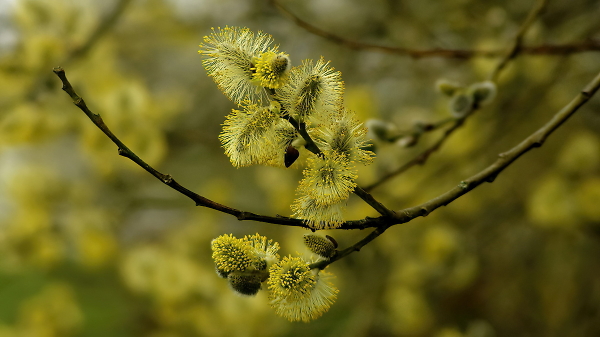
point(380, 223)
point(489, 174)
point(165, 178)
point(459, 54)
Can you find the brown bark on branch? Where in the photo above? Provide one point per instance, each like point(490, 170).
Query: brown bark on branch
point(488, 174)
point(401, 216)
point(166, 178)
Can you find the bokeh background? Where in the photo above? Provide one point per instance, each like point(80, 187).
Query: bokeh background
point(92, 245)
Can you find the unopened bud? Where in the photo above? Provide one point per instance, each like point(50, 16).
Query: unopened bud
point(483, 92)
point(461, 104)
point(319, 245)
point(378, 129)
point(407, 141)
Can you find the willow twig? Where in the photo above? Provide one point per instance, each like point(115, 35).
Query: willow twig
point(421, 158)
point(354, 248)
point(380, 223)
point(418, 130)
point(166, 178)
point(460, 54)
point(314, 148)
point(488, 174)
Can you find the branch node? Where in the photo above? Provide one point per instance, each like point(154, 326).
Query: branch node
point(123, 153)
point(424, 211)
point(463, 185)
point(167, 179)
point(586, 94)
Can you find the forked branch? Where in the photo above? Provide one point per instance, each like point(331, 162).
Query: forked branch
point(488, 174)
point(381, 223)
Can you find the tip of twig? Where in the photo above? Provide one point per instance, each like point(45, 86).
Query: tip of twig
point(57, 70)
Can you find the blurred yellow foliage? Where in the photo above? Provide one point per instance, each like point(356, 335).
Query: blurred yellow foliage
point(52, 313)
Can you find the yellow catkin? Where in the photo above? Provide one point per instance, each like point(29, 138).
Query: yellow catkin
point(298, 293)
point(271, 69)
point(313, 89)
point(229, 55)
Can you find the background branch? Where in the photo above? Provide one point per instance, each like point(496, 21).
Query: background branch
point(518, 40)
point(76, 54)
point(101, 30)
point(421, 158)
point(460, 54)
point(510, 55)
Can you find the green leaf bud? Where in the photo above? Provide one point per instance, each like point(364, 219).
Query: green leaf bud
point(407, 141)
point(483, 92)
point(380, 130)
point(461, 104)
point(319, 245)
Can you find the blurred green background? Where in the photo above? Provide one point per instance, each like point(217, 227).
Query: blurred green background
point(92, 245)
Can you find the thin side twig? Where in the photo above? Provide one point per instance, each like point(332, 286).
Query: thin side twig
point(421, 158)
point(101, 30)
point(488, 174)
point(314, 148)
point(459, 54)
point(380, 223)
point(511, 54)
point(517, 44)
